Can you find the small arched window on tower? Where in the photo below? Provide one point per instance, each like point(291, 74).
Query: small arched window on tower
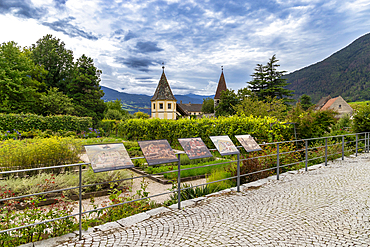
point(160, 105)
point(169, 105)
point(340, 106)
point(154, 106)
point(218, 101)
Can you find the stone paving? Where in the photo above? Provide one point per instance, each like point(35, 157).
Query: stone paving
point(326, 206)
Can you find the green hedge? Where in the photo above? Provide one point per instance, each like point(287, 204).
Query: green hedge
point(27, 122)
point(263, 129)
point(109, 126)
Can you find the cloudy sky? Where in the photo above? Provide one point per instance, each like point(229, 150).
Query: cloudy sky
point(129, 40)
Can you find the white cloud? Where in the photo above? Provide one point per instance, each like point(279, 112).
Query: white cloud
point(196, 37)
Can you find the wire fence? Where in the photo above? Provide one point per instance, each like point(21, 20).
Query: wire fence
point(318, 148)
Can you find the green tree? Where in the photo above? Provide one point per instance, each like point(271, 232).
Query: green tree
point(141, 115)
point(228, 101)
point(268, 82)
point(56, 103)
point(305, 101)
point(244, 93)
point(19, 80)
point(271, 107)
point(311, 123)
point(112, 114)
point(85, 90)
point(114, 110)
point(56, 59)
point(259, 81)
point(208, 105)
point(361, 120)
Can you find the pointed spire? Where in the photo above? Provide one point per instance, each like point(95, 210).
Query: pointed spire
point(163, 91)
point(221, 85)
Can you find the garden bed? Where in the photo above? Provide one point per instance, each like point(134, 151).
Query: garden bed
point(160, 179)
point(154, 173)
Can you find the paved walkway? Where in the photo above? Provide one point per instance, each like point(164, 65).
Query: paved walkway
point(328, 206)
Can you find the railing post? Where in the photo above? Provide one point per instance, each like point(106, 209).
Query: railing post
point(326, 151)
point(342, 147)
point(80, 202)
point(356, 144)
point(238, 174)
point(365, 142)
point(179, 182)
point(306, 153)
point(277, 162)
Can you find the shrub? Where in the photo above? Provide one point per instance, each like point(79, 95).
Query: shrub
point(154, 129)
point(361, 120)
point(30, 185)
point(311, 123)
point(187, 173)
point(27, 122)
point(31, 153)
point(109, 126)
point(252, 162)
point(189, 193)
point(218, 175)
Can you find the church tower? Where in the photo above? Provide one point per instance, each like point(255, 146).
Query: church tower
point(221, 87)
point(163, 103)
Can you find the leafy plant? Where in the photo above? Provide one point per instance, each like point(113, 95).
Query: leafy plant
point(187, 173)
point(188, 193)
point(218, 175)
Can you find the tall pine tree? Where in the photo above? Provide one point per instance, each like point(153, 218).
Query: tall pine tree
point(268, 82)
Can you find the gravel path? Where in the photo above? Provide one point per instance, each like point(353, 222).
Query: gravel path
point(328, 206)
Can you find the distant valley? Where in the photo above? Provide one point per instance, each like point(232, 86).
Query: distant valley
point(139, 102)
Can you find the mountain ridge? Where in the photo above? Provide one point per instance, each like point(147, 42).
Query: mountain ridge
point(345, 73)
point(141, 102)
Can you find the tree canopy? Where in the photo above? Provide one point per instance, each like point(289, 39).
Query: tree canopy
point(268, 82)
point(19, 80)
point(228, 101)
point(56, 59)
point(208, 105)
point(43, 79)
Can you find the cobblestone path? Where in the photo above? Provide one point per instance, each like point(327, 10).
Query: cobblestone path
point(325, 207)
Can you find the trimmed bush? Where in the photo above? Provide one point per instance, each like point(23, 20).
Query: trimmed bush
point(262, 129)
point(28, 122)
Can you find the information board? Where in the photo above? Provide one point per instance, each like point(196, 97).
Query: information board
point(108, 157)
point(157, 152)
point(195, 148)
point(248, 143)
point(224, 145)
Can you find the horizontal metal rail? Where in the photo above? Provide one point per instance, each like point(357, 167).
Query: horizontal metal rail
point(360, 143)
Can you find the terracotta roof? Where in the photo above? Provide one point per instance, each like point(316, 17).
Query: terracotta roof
point(322, 102)
point(328, 104)
point(191, 107)
point(221, 86)
point(163, 91)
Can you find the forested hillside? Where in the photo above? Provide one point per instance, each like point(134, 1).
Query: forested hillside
point(345, 73)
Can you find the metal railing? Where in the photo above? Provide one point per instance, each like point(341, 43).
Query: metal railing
point(302, 148)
